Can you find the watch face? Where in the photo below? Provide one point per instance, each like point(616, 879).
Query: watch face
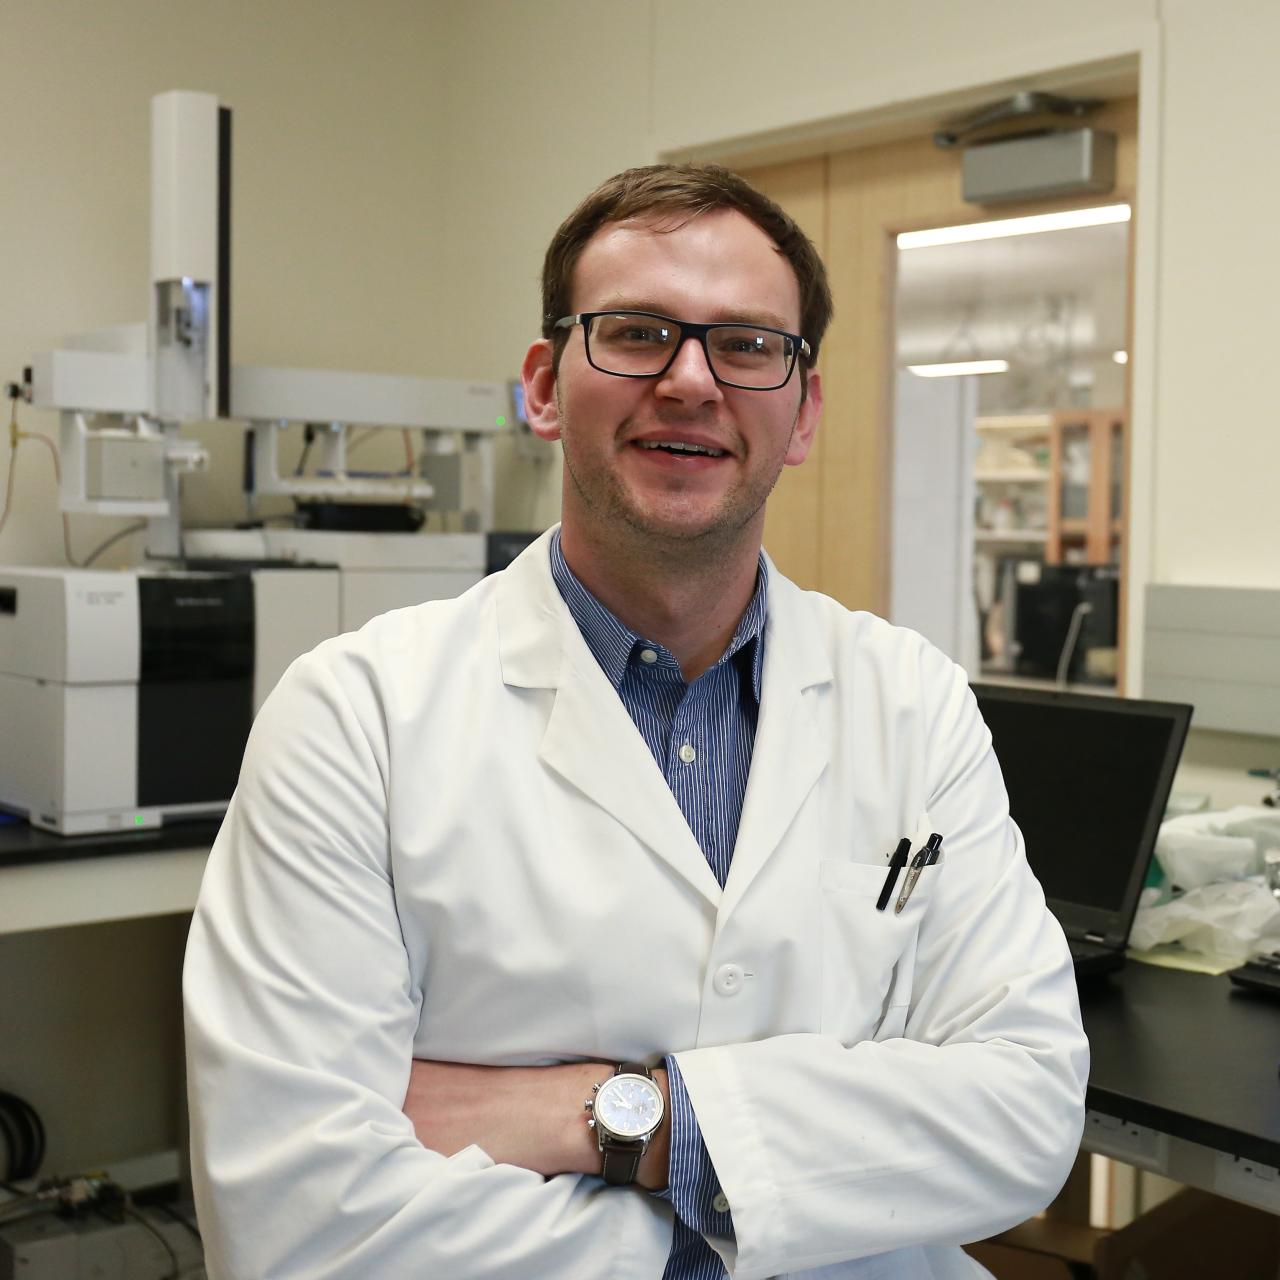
point(629, 1106)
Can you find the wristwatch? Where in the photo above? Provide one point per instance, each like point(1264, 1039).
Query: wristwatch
point(625, 1111)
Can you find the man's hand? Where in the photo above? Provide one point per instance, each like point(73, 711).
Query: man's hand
point(527, 1116)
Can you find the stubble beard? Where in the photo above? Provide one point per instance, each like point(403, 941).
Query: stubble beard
point(621, 521)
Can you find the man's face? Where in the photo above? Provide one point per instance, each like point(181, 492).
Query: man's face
point(717, 266)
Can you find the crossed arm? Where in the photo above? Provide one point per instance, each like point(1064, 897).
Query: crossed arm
point(531, 1117)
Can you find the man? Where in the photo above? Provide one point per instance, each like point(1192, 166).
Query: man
point(631, 803)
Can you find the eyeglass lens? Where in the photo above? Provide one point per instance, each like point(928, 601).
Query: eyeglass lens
point(641, 346)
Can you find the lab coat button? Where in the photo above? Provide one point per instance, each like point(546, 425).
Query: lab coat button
point(688, 754)
point(720, 1202)
point(728, 980)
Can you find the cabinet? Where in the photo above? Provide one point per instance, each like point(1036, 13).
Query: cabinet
point(1052, 486)
point(1085, 517)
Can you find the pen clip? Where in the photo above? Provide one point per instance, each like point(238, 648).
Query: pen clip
point(896, 863)
point(927, 856)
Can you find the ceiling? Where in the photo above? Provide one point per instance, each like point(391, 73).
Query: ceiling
point(1083, 261)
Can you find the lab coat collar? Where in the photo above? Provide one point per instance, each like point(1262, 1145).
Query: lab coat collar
point(793, 734)
point(592, 743)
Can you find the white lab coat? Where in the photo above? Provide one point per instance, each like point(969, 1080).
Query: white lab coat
point(449, 841)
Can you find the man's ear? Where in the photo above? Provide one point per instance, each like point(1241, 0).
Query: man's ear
point(539, 378)
point(806, 421)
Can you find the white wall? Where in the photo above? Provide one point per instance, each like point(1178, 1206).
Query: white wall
point(543, 101)
point(1217, 483)
point(752, 68)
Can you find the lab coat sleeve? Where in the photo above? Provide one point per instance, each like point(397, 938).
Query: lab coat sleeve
point(692, 1185)
point(300, 1020)
point(966, 1124)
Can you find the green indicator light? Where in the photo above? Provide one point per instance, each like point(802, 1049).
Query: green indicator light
point(137, 822)
point(502, 422)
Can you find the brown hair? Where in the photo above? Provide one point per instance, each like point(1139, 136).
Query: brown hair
point(690, 189)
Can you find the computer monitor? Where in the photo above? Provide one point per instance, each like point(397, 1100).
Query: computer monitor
point(1044, 605)
point(1088, 778)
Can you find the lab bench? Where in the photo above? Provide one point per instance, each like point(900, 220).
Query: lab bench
point(50, 881)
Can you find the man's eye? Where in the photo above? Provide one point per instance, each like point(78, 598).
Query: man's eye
point(634, 333)
point(747, 346)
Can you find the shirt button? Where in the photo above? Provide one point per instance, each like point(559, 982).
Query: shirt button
point(688, 754)
point(728, 979)
point(648, 655)
point(720, 1202)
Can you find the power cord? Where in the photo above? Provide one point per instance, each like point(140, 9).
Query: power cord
point(14, 393)
point(174, 1265)
point(107, 543)
point(86, 1194)
point(24, 1139)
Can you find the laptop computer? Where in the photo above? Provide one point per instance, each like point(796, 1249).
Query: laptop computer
point(1088, 778)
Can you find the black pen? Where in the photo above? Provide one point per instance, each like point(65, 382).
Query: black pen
point(896, 863)
point(927, 856)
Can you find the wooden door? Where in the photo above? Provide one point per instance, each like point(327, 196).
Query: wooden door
point(828, 523)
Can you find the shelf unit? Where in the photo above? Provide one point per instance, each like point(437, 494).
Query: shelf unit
point(1086, 517)
point(1014, 479)
point(1011, 537)
point(992, 476)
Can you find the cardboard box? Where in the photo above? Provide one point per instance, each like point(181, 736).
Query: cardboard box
point(1191, 1236)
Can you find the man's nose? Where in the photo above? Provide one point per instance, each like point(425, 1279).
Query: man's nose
point(690, 372)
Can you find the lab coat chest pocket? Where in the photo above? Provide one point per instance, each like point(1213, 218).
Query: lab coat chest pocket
point(868, 956)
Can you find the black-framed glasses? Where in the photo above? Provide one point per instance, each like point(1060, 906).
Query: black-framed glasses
point(642, 344)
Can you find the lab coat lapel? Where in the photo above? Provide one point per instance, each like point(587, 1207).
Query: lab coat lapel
point(590, 740)
point(792, 745)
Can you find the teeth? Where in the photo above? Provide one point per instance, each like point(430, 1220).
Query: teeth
point(681, 446)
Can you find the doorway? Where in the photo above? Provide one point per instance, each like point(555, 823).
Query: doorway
point(1008, 431)
point(830, 521)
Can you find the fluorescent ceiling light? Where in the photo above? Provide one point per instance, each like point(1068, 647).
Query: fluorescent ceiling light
point(1120, 357)
point(1102, 216)
point(959, 369)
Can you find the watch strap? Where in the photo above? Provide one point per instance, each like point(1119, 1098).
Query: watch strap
point(620, 1162)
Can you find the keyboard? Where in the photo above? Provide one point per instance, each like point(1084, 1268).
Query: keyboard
point(1262, 973)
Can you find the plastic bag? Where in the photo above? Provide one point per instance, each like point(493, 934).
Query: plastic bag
point(1199, 849)
point(1227, 912)
point(1231, 921)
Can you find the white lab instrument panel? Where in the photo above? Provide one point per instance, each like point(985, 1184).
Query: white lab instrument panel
point(376, 572)
point(85, 726)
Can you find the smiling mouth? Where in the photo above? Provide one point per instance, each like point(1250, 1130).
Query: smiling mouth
point(680, 448)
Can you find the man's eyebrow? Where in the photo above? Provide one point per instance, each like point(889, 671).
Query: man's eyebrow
point(728, 315)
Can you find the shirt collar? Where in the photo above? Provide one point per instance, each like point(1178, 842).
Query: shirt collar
point(613, 643)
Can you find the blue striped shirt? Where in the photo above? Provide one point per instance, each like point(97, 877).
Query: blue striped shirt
point(701, 736)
